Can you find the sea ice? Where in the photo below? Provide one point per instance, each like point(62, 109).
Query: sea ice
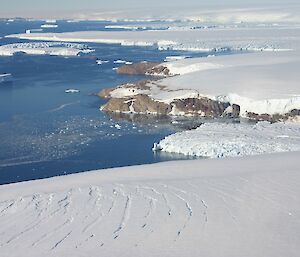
point(45, 48)
point(216, 140)
point(72, 90)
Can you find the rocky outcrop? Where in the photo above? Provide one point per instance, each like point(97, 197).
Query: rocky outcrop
point(141, 98)
point(141, 68)
point(159, 70)
point(275, 117)
point(141, 104)
point(144, 68)
point(200, 106)
point(144, 104)
point(105, 93)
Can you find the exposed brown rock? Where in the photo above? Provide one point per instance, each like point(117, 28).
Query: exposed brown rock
point(137, 68)
point(105, 93)
point(144, 104)
point(295, 112)
point(201, 106)
point(159, 70)
point(117, 105)
point(141, 84)
point(139, 103)
point(232, 111)
point(275, 117)
point(236, 109)
point(144, 68)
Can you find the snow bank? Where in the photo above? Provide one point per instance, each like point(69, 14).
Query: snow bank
point(216, 140)
point(230, 207)
point(181, 69)
point(44, 48)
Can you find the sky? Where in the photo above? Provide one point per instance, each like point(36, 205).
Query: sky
point(28, 7)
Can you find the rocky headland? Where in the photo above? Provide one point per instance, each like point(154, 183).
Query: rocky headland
point(145, 97)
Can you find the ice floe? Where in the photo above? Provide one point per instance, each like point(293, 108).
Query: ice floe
point(176, 58)
point(5, 77)
point(45, 48)
point(216, 140)
point(100, 62)
point(71, 90)
point(49, 26)
point(122, 62)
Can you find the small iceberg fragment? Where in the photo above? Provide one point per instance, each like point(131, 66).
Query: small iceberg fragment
point(100, 62)
point(71, 90)
point(47, 26)
point(117, 126)
point(29, 31)
point(175, 58)
point(156, 147)
point(50, 21)
point(4, 77)
point(122, 62)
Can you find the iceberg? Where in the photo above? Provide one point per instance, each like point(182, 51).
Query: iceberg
point(71, 90)
point(100, 62)
point(49, 26)
point(4, 77)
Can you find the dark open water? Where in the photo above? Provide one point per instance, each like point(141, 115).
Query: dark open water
point(45, 132)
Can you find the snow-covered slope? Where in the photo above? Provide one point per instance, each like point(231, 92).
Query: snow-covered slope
point(230, 207)
point(216, 140)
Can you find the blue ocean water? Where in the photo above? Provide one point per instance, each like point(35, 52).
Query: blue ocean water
point(45, 132)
